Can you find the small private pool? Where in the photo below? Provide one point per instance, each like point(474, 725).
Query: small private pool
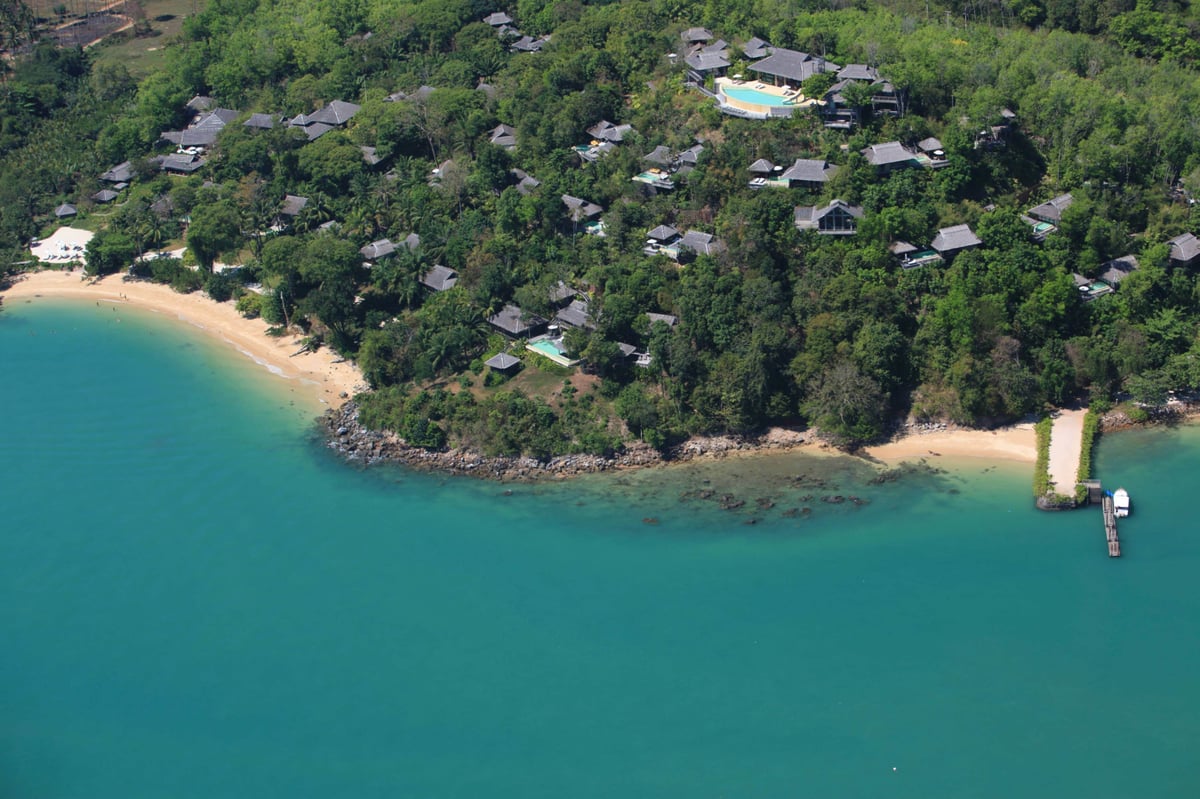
point(552, 349)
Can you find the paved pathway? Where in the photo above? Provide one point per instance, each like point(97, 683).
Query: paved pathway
point(1066, 439)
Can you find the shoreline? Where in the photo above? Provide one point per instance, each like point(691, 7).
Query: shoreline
point(323, 375)
point(357, 444)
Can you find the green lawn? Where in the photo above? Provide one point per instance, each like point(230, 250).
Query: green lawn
point(143, 55)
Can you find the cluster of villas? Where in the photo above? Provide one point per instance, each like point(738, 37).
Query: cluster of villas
point(1043, 220)
point(517, 42)
point(775, 86)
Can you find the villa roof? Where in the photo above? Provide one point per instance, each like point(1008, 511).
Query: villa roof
point(105, 196)
point(702, 243)
point(560, 291)
point(608, 131)
point(412, 241)
point(705, 61)
point(503, 136)
point(315, 130)
point(514, 321)
point(791, 64)
point(528, 44)
point(696, 35)
point(121, 173)
point(502, 361)
point(439, 278)
point(901, 248)
point(579, 209)
point(497, 18)
point(292, 205)
point(180, 162)
point(1116, 270)
point(660, 155)
point(1051, 210)
point(1184, 248)
point(262, 121)
point(525, 182)
point(65, 210)
point(370, 155)
point(757, 48)
point(663, 233)
point(929, 145)
point(858, 72)
point(714, 47)
point(691, 155)
point(888, 153)
point(955, 238)
point(337, 112)
point(810, 171)
point(201, 103)
point(808, 217)
point(762, 167)
point(666, 318)
point(577, 314)
point(378, 249)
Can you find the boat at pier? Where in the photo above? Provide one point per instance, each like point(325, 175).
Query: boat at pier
point(1121, 503)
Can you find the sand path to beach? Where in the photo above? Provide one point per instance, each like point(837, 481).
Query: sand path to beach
point(322, 374)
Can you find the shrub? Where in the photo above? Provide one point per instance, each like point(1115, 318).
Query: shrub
point(1041, 467)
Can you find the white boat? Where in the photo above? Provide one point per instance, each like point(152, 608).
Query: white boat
point(1121, 502)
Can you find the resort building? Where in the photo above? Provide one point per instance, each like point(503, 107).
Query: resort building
point(694, 241)
point(693, 35)
point(757, 48)
point(662, 239)
point(607, 131)
point(121, 173)
point(890, 156)
point(65, 210)
point(1111, 274)
point(439, 278)
point(378, 249)
point(503, 136)
point(526, 183)
point(784, 67)
point(580, 210)
point(261, 121)
point(576, 314)
point(105, 196)
point(503, 363)
point(839, 218)
point(952, 240)
point(1044, 218)
point(512, 321)
point(912, 257)
point(1184, 250)
point(807, 173)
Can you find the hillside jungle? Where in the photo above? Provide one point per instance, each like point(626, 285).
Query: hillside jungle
point(782, 326)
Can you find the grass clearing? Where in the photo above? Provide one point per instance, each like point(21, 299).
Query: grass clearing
point(141, 55)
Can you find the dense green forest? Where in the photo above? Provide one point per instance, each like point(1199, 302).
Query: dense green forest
point(783, 326)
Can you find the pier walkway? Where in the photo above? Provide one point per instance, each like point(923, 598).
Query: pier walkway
point(1110, 526)
point(1066, 443)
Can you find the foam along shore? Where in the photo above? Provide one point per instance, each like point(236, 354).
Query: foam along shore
point(1016, 443)
point(323, 375)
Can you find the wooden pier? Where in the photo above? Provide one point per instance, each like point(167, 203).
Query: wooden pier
point(1110, 526)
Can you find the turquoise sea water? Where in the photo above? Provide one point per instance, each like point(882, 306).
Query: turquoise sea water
point(196, 600)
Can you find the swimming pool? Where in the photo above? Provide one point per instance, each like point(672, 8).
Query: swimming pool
point(753, 96)
point(551, 349)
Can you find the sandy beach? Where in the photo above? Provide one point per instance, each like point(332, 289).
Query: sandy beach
point(1016, 443)
point(322, 375)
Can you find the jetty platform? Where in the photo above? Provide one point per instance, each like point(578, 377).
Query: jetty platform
point(1110, 526)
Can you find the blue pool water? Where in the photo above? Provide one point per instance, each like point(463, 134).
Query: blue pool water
point(753, 96)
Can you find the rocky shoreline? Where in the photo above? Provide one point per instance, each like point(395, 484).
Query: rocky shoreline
point(347, 436)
